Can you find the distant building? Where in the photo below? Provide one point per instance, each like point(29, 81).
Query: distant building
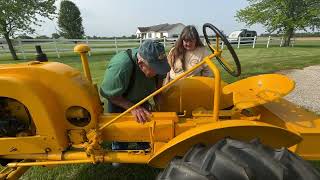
point(160, 31)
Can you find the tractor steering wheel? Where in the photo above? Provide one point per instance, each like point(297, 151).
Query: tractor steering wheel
point(233, 71)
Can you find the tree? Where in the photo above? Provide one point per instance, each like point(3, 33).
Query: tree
point(18, 16)
point(55, 35)
point(70, 21)
point(283, 16)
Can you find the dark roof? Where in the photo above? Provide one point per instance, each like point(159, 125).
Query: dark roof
point(160, 27)
point(143, 29)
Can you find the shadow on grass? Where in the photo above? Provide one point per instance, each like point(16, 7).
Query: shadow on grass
point(107, 171)
point(92, 171)
point(316, 164)
point(308, 46)
point(125, 171)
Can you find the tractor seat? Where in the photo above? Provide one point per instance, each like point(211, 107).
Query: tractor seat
point(258, 90)
point(191, 93)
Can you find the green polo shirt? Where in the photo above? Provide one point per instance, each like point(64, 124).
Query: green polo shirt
point(118, 76)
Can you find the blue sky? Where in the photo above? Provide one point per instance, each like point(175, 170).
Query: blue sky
point(122, 17)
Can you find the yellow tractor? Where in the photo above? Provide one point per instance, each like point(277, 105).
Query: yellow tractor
point(206, 129)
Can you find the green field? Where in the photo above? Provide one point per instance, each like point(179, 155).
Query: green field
point(253, 61)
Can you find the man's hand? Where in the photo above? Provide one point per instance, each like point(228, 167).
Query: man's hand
point(142, 115)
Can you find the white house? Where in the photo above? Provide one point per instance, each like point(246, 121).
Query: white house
point(160, 31)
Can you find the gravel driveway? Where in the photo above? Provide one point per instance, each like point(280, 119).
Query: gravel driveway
point(307, 90)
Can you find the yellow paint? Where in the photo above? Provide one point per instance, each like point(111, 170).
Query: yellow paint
point(82, 49)
point(212, 132)
point(302, 121)
point(128, 130)
point(257, 90)
point(44, 163)
point(217, 42)
point(137, 157)
point(47, 90)
point(217, 88)
point(181, 96)
point(153, 94)
point(12, 173)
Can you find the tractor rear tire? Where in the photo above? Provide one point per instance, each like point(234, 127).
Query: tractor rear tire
point(231, 159)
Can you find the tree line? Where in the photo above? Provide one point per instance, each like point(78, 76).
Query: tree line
point(57, 36)
point(280, 17)
point(17, 17)
point(307, 34)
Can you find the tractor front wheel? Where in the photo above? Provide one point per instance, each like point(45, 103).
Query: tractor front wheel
point(231, 159)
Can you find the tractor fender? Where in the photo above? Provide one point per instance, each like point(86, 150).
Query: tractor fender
point(75, 94)
point(44, 110)
point(209, 134)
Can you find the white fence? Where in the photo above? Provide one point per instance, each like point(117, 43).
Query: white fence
point(58, 47)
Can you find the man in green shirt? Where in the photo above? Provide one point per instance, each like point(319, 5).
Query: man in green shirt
point(131, 76)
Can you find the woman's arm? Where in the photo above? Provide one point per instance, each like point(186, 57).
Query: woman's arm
point(206, 71)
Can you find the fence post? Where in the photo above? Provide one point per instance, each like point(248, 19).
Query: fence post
point(281, 41)
point(21, 49)
point(140, 41)
point(164, 41)
point(254, 42)
point(293, 42)
point(116, 44)
point(89, 53)
point(239, 42)
point(268, 41)
point(57, 50)
point(222, 44)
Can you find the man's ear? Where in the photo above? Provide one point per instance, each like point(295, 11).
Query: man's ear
point(140, 62)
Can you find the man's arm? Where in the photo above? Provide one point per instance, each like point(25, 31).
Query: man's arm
point(157, 98)
point(140, 113)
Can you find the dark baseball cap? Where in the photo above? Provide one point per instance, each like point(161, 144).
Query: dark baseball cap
point(153, 52)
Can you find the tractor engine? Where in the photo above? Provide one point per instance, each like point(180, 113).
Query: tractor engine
point(15, 120)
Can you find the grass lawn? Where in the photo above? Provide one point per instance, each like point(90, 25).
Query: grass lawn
point(253, 61)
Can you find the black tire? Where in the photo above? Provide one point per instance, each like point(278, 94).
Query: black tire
point(231, 159)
